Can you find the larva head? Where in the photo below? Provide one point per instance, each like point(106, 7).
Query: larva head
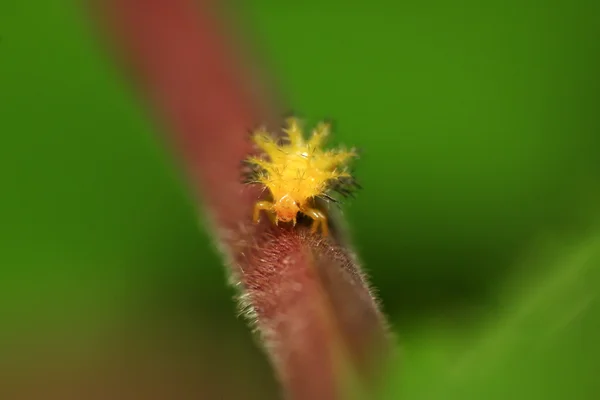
point(286, 208)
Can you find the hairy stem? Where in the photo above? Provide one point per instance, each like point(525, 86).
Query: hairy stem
point(305, 295)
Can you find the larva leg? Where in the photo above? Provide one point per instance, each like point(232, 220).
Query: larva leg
point(263, 206)
point(319, 219)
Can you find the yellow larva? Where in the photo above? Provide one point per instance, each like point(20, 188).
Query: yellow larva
point(297, 172)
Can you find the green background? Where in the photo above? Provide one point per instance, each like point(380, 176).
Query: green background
point(478, 223)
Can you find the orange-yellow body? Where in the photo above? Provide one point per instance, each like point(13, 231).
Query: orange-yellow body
point(296, 172)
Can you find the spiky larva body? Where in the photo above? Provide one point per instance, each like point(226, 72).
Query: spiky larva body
point(297, 172)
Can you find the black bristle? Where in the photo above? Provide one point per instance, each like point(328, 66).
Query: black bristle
point(250, 172)
point(345, 186)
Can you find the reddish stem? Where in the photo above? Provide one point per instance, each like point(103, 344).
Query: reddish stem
point(306, 295)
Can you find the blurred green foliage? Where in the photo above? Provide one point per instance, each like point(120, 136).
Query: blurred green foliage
point(478, 219)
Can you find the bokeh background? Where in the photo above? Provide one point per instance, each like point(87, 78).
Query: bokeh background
point(478, 223)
